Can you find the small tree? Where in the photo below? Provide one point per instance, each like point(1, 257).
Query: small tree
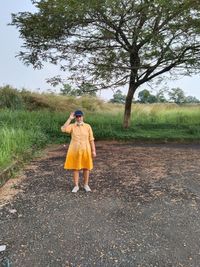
point(152, 99)
point(160, 97)
point(118, 97)
point(176, 95)
point(145, 96)
point(191, 99)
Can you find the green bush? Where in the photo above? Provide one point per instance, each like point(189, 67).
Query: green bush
point(10, 98)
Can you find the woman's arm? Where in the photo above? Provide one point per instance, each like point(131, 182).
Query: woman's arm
point(92, 145)
point(93, 148)
point(71, 117)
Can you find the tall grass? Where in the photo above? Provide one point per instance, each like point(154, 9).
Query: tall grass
point(161, 122)
point(17, 100)
point(167, 114)
point(23, 131)
point(16, 143)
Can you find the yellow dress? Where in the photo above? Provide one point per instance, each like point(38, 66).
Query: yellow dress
point(79, 154)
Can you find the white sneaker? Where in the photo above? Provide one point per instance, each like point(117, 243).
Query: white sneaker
point(87, 188)
point(75, 189)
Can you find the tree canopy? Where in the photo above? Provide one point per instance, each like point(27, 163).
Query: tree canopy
point(118, 97)
point(177, 95)
point(84, 89)
point(111, 43)
point(145, 96)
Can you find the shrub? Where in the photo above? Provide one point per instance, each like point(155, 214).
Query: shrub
point(10, 98)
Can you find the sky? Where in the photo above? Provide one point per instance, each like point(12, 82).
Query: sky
point(16, 74)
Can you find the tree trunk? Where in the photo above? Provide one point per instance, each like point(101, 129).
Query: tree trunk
point(128, 104)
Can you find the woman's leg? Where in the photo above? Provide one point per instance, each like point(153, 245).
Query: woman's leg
point(86, 174)
point(76, 180)
point(76, 177)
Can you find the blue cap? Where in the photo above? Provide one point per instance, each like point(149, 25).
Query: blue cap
point(78, 113)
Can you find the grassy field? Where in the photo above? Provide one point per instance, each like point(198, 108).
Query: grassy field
point(30, 121)
point(22, 132)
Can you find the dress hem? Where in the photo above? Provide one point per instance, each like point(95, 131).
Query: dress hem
point(78, 169)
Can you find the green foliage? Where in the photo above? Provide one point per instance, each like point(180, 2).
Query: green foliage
point(118, 40)
point(15, 99)
point(113, 43)
point(84, 89)
point(22, 132)
point(191, 99)
point(177, 95)
point(10, 98)
point(118, 97)
point(16, 142)
point(144, 96)
point(87, 89)
point(67, 90)
point(160, 97)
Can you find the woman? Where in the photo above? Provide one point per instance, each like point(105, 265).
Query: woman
point(81, 149)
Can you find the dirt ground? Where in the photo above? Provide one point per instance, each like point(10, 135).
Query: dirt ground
point(144, 210)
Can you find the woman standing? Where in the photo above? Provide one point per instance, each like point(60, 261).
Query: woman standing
point(81, 149)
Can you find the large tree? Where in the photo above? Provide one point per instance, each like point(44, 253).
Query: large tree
point(112, 43)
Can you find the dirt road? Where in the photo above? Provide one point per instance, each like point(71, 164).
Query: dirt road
point(144, 210)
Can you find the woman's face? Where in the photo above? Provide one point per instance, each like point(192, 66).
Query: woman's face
point(79, 118)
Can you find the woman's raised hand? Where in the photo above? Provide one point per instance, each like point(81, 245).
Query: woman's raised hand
point(72, 116)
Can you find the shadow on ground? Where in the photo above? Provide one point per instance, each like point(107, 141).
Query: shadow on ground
point(143, 211)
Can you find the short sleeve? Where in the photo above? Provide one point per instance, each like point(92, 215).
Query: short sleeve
point(91, 136)
point(68, 129)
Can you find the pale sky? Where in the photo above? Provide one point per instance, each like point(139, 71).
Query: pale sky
point(14, 73)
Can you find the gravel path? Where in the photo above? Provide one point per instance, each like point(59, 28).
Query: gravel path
point(144, 210)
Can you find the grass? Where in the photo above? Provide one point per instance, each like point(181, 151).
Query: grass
point(152, 122)
point(22, 132)
point(30, 121)
point(25, 100)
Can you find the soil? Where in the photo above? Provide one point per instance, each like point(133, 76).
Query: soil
point(143, 211)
